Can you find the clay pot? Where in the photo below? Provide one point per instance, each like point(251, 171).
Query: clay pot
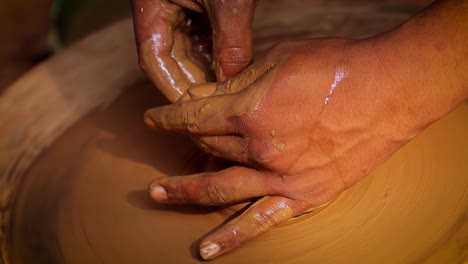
point(75, 160)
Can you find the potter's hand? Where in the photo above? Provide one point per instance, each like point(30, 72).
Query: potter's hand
point(174, 40)
point(313, 118)
point(309, 121)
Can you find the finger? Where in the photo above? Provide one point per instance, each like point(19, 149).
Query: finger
point(232, 36)
point(203, 90)
point(146, 15)
point(206, 116)
point(154, 29)
point(163, 70)
point(228, 186)
point(191, 71)
point(260, 217)
point(229, 147)
point(255, 73)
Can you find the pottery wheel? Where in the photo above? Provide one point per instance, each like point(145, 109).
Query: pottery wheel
point(82, 199)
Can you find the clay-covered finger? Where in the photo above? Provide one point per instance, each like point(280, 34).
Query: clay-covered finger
point(228, 186)
point(155, 23)
point(260, 217)
point(232, 36)
point(147, 15)
point(192, 72)
point(206, 116)
point(156, 59)
point(254, 73)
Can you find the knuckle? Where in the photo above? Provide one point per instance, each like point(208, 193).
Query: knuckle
point(177, 191)
point(260, 146)
point(263, 152)
point(237, 238)
point(229, 86)
point(187, 192)
point(189, 121)
point(263, 221)
point(215, 194)
point(247, 123)
point(234, 237)
point(194, 118)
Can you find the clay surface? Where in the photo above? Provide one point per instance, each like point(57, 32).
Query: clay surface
point(93, 208)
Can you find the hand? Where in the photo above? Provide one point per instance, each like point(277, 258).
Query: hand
point(314, 117)
point(174, 41)
point(308, 121)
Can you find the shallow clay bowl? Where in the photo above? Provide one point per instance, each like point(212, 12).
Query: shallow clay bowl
point(75, 159)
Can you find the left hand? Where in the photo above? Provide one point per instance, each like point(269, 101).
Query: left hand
point(180, 42)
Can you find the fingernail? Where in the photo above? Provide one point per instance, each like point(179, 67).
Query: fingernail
point(202, 90)
point(149, 122)
point(209, 250)
point(158, 192)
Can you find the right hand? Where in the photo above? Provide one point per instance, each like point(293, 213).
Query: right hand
point(307, 121)
point(174, 41)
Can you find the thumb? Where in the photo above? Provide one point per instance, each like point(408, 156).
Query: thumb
point(232, 36)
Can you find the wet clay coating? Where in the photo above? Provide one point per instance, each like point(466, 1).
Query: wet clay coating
point(94, 207)
point(167, 54)
point(173, 73)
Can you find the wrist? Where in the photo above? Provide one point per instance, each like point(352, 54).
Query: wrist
point(426, 60)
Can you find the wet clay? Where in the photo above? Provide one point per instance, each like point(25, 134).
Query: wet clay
point(93, 208)
point(169, 62)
